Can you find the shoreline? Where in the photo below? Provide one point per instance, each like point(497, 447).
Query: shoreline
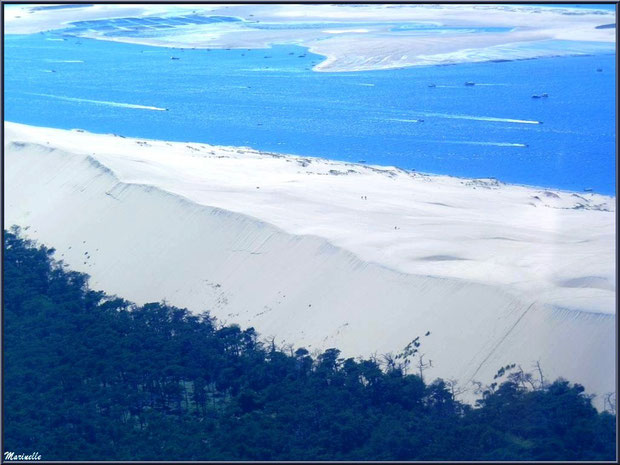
point(331, 160)
point(374, 47)
point(333, 59)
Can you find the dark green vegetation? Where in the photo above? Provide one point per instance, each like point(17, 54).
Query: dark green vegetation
point(93, 377)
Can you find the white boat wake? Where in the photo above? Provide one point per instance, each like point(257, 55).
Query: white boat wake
point(482, 118)
point(103, 102)
point(493, 144)
point(403, 120)
point(64, 61)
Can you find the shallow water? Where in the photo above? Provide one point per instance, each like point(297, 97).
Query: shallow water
point(271, 100)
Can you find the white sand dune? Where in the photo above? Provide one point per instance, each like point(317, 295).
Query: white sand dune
point(497, 273)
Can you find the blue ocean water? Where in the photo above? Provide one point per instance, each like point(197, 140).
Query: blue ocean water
point(271, 100)
point(588, 6)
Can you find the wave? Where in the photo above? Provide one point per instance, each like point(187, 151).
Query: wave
point(103, 102)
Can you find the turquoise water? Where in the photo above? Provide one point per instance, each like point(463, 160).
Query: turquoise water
point(155, 26)
point(271, 100)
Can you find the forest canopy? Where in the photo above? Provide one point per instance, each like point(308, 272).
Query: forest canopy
point(90, 376)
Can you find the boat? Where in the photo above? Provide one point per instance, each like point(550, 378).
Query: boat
point(588, 189)
point(470, 83)
point(174, 58)
point(432, 85)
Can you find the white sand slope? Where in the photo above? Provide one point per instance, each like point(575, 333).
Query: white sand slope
point(497, 273)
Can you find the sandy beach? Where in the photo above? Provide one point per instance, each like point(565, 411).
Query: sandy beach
point(356, 37)
point(320, 253)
